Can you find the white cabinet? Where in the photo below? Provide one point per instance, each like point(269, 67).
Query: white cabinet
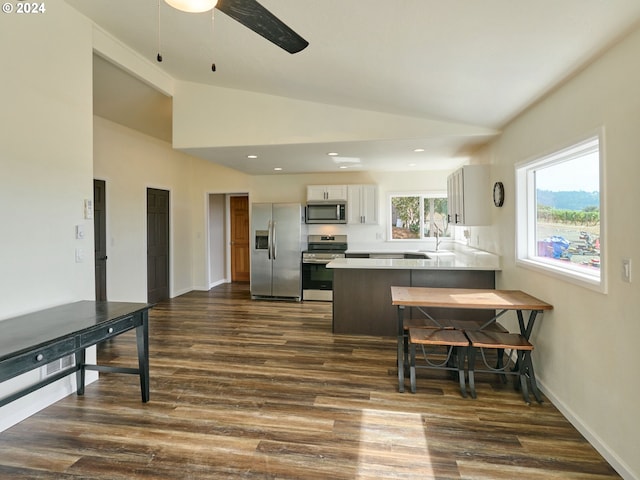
point(469, 196)
point(321, 193)
point(362, 204)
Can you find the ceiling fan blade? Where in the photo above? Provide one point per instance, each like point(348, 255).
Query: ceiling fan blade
point(257, 18)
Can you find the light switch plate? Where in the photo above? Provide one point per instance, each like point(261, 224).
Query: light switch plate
point(88, 209)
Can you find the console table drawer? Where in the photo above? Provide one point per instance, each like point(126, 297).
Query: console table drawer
point(12, 367)
point(109, 330)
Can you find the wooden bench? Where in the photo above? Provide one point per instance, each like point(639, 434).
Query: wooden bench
point(456, 344)
point(425, 322)
point(480, 340)
point(466, 325)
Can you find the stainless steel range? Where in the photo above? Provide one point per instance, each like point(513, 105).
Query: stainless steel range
point(317, 279)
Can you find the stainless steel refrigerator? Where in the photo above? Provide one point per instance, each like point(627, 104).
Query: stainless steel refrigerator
point(277, 242)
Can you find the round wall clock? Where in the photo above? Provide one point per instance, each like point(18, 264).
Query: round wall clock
point(498, 194)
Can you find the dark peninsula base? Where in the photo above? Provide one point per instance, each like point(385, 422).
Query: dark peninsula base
point(362, 297)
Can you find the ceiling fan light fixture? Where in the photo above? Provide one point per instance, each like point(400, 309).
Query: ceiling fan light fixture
point(192, 6)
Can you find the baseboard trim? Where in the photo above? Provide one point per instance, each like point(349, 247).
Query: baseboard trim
point(618, 465)
point(21, 409)
point(218, 282)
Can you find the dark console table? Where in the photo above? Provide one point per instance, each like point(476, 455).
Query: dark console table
point(35, 339)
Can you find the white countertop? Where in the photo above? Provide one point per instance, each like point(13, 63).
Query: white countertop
point(448, 260)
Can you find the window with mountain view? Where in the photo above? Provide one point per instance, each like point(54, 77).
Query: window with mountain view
point(559, 209)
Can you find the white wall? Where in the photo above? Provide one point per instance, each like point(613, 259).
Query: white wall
point(130, 162)
point(587, 347)
point(45, 174)
point(206, 116)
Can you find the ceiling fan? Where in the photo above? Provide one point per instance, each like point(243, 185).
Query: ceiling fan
point(253, 16)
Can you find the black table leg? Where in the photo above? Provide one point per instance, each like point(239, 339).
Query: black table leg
point(80, 372)
point(412, 366)
point(401, 349)
point(471, 356)
point(460, 354)
point(142, 339)
point(525, 330)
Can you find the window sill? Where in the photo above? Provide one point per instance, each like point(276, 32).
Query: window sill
point(578, 278)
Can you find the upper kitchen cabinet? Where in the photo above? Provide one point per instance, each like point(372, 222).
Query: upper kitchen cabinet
point(362, 204)
point(469, 196)
point(320, 193)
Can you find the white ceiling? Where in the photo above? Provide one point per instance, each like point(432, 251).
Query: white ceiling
point(478, 63)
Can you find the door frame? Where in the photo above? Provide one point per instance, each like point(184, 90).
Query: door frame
point(227, 236)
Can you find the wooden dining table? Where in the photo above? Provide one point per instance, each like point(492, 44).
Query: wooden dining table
point(498, 301)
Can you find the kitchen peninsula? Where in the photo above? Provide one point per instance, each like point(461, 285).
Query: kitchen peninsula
point(362, 285)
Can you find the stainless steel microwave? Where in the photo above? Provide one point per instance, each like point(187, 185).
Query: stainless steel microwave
point(326, 212)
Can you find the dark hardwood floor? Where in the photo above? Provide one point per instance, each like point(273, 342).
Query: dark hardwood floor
point(245, 389)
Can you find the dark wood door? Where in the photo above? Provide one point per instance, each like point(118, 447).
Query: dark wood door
point(100, 238)
point(240, 266)
point(157, 245)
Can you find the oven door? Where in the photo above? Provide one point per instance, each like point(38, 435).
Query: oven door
point(317, 281)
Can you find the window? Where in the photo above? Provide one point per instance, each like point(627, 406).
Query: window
point(418, 216)
point(559, 207)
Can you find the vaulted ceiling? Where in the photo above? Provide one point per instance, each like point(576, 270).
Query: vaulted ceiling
point(467, 62)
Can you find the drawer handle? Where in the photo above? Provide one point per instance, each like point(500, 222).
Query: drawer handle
point(110, 330)
point(39, 357)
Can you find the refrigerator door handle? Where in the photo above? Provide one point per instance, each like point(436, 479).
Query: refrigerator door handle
point(269, 239)
point(274, 240)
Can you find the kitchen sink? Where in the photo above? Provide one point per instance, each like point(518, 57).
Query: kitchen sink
point(439, 253)
point(416, 256)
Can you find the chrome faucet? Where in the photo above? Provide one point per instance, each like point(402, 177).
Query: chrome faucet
point(437, 232)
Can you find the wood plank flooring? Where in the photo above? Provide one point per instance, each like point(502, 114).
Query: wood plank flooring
point(245, 389)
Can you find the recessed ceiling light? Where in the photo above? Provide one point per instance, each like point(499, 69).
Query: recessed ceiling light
point(343, 166)
point(252, 156)
point(412, 164)
point(333, 154)
point(418, 150)
point(277, 169)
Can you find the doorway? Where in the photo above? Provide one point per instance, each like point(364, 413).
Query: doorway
point(228, 247)
point(157, 245)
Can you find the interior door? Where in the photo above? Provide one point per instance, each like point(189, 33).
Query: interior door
point(100, 238)
point(157, 245)
point(239, 213)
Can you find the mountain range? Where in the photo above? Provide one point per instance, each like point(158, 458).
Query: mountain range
point(574, 200)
